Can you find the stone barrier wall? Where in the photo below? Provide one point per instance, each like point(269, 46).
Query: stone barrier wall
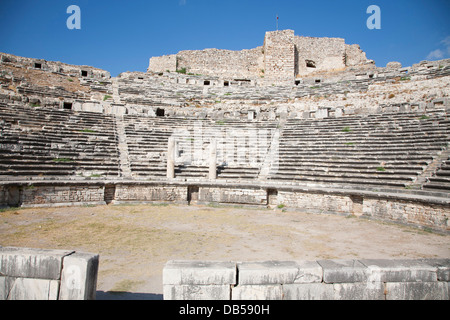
point(308, 280)
point(39, 274)
point(415, 208)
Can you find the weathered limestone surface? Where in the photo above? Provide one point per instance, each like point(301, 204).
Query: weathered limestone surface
point(42, 274)
point(309, 280)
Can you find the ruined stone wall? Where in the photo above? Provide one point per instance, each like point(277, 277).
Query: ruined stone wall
point(319, 54)
point(282, 57)
point(54, 66)
point(222, 63)
point(279, 57)
point(163, 64)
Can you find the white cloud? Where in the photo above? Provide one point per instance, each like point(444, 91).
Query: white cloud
point(442, 52)
point(436, 54)
point(182, 2)
point(446, 41)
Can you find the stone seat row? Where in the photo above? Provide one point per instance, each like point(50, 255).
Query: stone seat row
point(441, 179)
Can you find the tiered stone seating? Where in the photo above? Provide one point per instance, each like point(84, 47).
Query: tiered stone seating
point(441, 180)
point(384, 150)
point(51, 144)
point(148, 138)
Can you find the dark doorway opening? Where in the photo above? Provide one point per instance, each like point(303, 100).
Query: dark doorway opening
point(67, 106)
point(193, 194)
point(160, 112)
point(84, 73)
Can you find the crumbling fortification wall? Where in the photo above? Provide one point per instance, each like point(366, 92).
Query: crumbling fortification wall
point(163, 64)
point(282, 57)
point(279, 56)
point(222, 63)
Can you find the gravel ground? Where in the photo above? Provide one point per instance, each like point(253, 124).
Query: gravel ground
point(135, 241)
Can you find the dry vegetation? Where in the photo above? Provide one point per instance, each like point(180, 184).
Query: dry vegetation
point(135, 241)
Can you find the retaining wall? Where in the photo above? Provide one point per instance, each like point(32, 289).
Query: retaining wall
point(416, 208)
point(308, 280)
point(38, 274)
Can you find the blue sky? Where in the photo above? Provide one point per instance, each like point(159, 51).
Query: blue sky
point(119, 35)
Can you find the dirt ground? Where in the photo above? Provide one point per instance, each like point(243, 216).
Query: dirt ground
point(135, 241)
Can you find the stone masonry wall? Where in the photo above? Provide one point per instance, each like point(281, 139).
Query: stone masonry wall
point(365, 279)
point(322, 53)
point(38, 274)
point(163, 64)
point(419, 211)
point(222, 63)
point(279, 56)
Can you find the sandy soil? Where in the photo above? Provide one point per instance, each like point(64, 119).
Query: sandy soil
point(135, 241)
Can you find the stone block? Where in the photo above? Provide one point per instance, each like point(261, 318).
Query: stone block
point(400, 270)
point(33, 289)
point(308, 271)
point(339, 271)
point(79, 277)
point(197, 292)
point(417, 291)
point(442, 266)
point(256, 292)
point(178, 272)
point(359, 291)
point(31, 263)
point(267, 272)
point(308, 291)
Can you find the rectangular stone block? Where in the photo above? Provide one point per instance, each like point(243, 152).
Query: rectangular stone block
point(31, 263)
point(359, 291)
point(256, 292)
point(33, 289)
point(401, 270)
point(267, 272)
point(79, 277)
point(197, 292)
point(308, 271)
point(339, 271)
point(308, 291)
point(417, 291)
point(178, 272)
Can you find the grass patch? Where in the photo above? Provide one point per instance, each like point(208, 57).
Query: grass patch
point(220, 122)
point(182, 70)
point(424, 117)
point(346, 129)
point(125, 285)
point(349, 143)
point(280, 206)
point(62, 160)
point(88, 131)
point(381, 169)
point(106, 97)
